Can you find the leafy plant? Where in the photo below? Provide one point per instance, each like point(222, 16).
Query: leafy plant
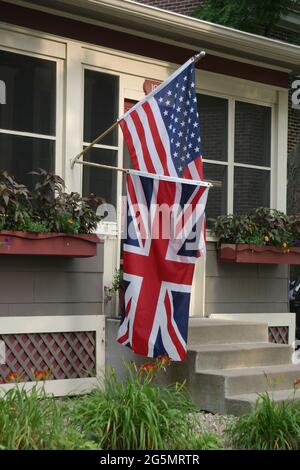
point(15, 205)
point(34, 226)
point(135, 414)
point(48, 208)
point(117, 284)
point(260, 226)
point(270, 426)
point(35, 421)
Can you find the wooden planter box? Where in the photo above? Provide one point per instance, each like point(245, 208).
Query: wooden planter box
point(249, 253)
point(48, 244)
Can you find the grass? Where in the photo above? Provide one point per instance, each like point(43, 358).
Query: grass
point(270, 426)
point(136, 414)
point(35, 421)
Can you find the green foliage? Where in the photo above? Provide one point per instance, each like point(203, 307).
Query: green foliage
point(15, 205)
point(134, 414)
point(198, 441)
point(260, 226)
point(117, 284)
point(137, 414)
point(35, 421)
point(270, 426)
point(34, 226)
point(254, 16)
point(48, 208)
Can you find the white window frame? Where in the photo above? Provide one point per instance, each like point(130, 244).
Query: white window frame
point(230, 163)
point(102, 146)
point(37, 51)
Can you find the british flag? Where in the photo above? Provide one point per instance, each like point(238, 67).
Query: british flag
point(162, 131)
point(164, 220)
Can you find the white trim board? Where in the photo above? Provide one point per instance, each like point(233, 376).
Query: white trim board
point(53, 324)
point(272, 319)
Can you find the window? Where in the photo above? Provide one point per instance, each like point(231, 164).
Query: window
point(247, 164)
point(252, 156)
point(101, 104)
point(213, 114)
point(28, 119)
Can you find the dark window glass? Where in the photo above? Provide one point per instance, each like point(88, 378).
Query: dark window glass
point(100, 181)
point(30, 93)
point(213, 114)
point(101, 102)
point(252, 143)
point(217, 195)
point(251, 189)
point(28, 154)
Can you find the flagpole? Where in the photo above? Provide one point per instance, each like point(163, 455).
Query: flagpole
point(200, 55)
point(100, 165)
point(86, 149)
point(209, 183)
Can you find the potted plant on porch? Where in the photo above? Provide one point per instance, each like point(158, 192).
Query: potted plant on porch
point(260, 236)
point(46, 220)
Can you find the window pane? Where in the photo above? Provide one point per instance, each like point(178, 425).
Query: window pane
point(100, 181)
point(20, 155)
point(213, 126)
point(30, 93)
point(252, 134)
point(251, 189)
point(217, 196)
point(101, 102)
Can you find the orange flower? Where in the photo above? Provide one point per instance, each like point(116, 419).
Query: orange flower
point(40, 375)
point(164, 359)
point(10, 377)
point(148, 367)
point(297, 382)
point(266, 238)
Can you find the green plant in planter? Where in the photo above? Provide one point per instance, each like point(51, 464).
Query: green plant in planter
point(15, 206)
point(48, 208)
point(259, 226)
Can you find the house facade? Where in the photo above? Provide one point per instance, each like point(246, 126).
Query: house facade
point(67, 71)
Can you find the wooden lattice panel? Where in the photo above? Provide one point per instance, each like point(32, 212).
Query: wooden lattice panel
point(50, 356)
point(279, 334)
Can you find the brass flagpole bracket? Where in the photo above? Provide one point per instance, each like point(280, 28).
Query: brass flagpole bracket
point(86, 149)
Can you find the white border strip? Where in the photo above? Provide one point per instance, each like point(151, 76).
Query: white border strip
point(170, 178)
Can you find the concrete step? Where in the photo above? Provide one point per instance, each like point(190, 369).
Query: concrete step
point(211, 331)
point(253, 379)
point(242, 404)
point(239, 355)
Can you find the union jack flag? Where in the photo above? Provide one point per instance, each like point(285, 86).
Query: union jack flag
point(162, 131)
point(163, 237)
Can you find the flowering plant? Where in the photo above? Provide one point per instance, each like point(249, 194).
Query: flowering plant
point(262, 226)
point(46, 208)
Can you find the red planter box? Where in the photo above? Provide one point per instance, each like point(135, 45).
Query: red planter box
point(49, 244)
point(249, 253)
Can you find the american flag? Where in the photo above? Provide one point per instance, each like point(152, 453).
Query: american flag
point(162, 131)
point(159, 265)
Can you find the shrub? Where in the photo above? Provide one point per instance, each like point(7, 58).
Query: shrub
point(35, 421)
point(270, 426)
point(136, 414)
